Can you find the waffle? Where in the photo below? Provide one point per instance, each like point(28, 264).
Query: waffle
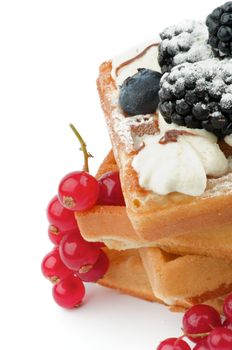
point(178, 281)
point(186, 280)
point(127, 275)
point(154, 216)
point(117, 232)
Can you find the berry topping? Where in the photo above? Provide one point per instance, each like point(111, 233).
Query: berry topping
point(53, 268)
point(139, 93)
point(77, 254)
point(202, 345)
point(97, 271)
point(69, 292)
point(227, 308)
point(56, 236)
point(78, 191)
point(220, 339)
point(200, 319)
point(110, 189)
point(60, 218)
point(227, 324)
point(219, 24)
point(72, 254)
point(199, 95)
point(202, 324)
point(185, 42)
point(173, 344)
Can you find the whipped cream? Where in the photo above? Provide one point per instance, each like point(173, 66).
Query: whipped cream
point(180, 166)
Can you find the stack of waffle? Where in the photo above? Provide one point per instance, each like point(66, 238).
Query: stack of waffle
point(175, 249)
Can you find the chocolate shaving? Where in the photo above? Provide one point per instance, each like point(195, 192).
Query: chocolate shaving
point(172, 136)
point(141, 54)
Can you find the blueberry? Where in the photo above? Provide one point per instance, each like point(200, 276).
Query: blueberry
point(139, 93)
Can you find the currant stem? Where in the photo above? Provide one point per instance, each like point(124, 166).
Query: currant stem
point(83, 148)
point(194, 335)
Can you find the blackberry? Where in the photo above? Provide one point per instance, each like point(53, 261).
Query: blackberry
point(185, 42)
point(139, 93)
point(219, 24)
point(199, 95)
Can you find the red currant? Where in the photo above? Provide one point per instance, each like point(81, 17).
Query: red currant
point(99, 244)
point(59, 217)
point(227, 307)
point(227, 324)
point(173, 344)
point(77, 254)
point(69, 292)
point(97, 271)
point(56, 237)
point(110, 189)
point(202, 345)
point(220, 339)
point(78, 191)
point(53, 267)
point(200, 319)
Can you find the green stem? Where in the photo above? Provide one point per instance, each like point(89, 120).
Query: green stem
point(86, 154)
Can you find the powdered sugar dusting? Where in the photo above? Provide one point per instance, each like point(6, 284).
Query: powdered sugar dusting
point(186, 26)
point(219, 187)
point(226, 101)
point(127, 128)
point(187, 42)
point(208, 75)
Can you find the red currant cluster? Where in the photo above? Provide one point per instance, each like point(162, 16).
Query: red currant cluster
point(74, 260)
point(203, 325)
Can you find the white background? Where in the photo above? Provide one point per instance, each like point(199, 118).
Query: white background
point(49, 57)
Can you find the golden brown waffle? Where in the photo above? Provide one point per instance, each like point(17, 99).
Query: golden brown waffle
point(178, 281)
point(126, 274)
point(186, 280)
point(154, 216)
point(117, 232)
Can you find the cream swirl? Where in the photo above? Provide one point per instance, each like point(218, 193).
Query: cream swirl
point(180, 166)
